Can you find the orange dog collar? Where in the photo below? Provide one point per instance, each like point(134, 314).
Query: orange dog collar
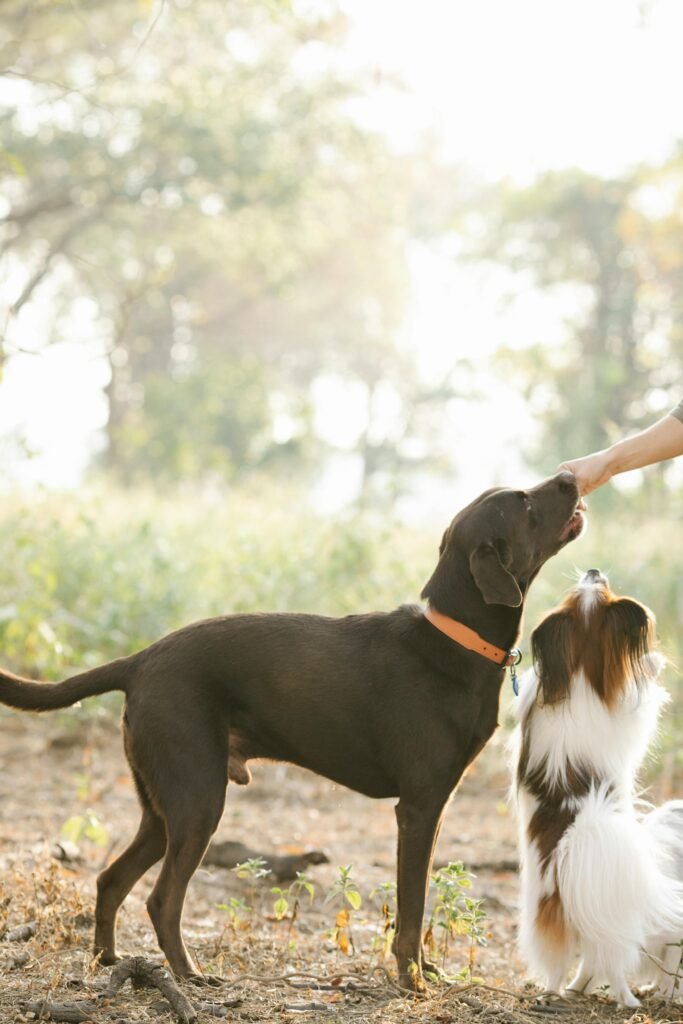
point(468, 638)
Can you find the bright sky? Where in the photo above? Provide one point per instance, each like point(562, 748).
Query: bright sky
point(511, 88)
point(517, 87)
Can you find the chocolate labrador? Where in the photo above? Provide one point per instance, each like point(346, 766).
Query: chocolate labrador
point(390, 704)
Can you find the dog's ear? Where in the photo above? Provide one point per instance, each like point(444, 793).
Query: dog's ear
point(496, 583)
point(444, 540)
point(554, 655)
point(628, 640)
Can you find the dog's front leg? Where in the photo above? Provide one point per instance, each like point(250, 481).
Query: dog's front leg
point(418, 822)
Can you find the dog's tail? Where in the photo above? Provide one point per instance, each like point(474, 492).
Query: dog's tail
point(28, 695)
point(614, 885)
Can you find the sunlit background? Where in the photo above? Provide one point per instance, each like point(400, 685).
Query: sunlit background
point(305, 264)
point(284, 284)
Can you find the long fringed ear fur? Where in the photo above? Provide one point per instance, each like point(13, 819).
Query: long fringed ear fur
point(629, 636)
point(496, 584)
point(554, 654)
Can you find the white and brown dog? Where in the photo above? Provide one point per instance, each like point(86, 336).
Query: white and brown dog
point(598, 879)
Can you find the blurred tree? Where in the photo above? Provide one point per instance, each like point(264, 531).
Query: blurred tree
point(211, 421)
point(610, 251)
point(194, 169)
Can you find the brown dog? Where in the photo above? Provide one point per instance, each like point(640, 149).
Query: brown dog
point(385, 703)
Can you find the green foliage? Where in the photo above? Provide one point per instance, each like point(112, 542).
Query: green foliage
point(292, 896)
point(608, 252)
point(253, 869)
point(237, 911)
point(204, 421)
point(456, 914)
point(345, 890)
point(383, 942)
point(194, 174)
point(86, 580)
point(85, 826)
point(281, 904)
point(345, 894)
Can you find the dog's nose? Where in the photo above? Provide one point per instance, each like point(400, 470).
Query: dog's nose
point(567, 481)
point(593, 576)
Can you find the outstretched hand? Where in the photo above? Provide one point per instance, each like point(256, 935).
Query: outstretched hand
point(591, 471)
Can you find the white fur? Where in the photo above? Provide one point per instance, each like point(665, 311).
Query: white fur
point(613, 870)
point(581, 730)
point(662, 963)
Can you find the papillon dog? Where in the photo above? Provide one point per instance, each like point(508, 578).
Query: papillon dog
point(597, 879)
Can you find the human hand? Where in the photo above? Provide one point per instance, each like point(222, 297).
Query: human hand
point(591, 471)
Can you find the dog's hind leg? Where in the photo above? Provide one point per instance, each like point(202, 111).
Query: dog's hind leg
point(599, 968)
point(189, 792)
point(546, 940)
point(116, 881)
point(582, 979)
point(188, 839)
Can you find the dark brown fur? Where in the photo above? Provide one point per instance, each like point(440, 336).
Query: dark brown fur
point(555, 809)
point(382, 703)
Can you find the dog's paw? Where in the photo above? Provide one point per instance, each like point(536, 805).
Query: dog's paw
point(627, 998)
point(107, 958)
point(412, 981)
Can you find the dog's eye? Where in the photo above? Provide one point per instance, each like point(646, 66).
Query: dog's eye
point(529, 509)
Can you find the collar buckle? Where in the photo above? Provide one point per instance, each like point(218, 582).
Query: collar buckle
point(513, 658)
point(512, 661)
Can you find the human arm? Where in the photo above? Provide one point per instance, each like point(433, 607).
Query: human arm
point(663, 440)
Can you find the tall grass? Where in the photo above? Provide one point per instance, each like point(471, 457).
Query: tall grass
point(94, 577)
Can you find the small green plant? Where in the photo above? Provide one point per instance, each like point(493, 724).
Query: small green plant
point(237, 911)
point(474, 918)
point(345, 893)
point(292, 895)
point(345, 890)
point(253, 869)
point(457, 915)
point(386, 931)
point(85, 826)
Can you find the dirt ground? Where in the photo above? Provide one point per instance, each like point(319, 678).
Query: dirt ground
point(59, 766)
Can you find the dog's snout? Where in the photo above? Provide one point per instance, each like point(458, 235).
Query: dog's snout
point(592, 576)
point(567, 482)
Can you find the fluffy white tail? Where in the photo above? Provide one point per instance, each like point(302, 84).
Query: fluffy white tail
point(613, 888)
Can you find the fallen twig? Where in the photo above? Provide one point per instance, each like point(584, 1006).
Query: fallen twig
point(22, 933)
point(296, 978)
point(69, 1013)
point(452, 989)
point(141, 971)
point(307, 1007)
point(219, 1009)
point(658, 963)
